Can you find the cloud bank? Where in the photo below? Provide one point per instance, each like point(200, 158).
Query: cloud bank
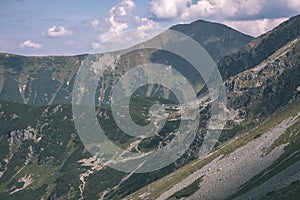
point(253, 17)
point(221, 9)
point(121, 18)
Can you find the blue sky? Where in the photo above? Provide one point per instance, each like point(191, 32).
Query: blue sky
point(67, 27)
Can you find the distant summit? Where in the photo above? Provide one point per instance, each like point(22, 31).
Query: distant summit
point(218, 40)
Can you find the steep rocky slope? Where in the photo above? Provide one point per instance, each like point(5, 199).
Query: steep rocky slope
point(260, 48)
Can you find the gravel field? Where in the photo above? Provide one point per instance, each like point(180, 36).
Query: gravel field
point(223, 176)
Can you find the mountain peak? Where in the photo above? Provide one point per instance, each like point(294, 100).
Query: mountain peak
point(214, 37)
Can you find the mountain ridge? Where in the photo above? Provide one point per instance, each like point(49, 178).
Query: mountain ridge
point(226, 39)
point(22, 76)
point(255, 52)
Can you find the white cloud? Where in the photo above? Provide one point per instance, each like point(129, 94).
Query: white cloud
point(57, 31)
point(147, 23)
point(146, 30)
point(168, 8)
point(118, 19)
point(121, 18)
point(97, 25)
point(186, 10)
point(255, 27)
point(96, 45)
point(125, 40)
point(294, 4)
point(30, 44)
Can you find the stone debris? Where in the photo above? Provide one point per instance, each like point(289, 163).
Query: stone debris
point(16, 137)
point(223, 176)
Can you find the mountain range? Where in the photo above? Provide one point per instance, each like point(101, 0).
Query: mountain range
point(256, 156)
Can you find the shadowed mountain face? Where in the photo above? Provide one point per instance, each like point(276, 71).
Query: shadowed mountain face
point(218, 39)
point(41, 155)
point(49, 80)
point(260, 49)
